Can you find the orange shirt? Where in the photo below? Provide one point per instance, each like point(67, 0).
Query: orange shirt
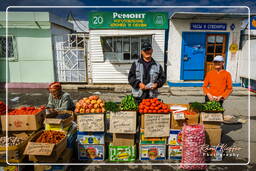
point(218, 83)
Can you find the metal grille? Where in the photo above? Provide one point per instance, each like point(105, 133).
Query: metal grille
point(70, 57)
point(10, 46)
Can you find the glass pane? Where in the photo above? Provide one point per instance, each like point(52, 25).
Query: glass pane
point(135, 47)
point(107, 44)
point(210, 49)
point(219, 39)
point(126, 44)
point(219, 49)
point(127, 56)
point(209, 58)
point(118, 44)
point(211, 39)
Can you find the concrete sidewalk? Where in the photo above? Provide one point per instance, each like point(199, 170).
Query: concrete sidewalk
point(175, 91)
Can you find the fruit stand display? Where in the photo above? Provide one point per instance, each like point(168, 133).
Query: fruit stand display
point(90, 136)
point(24, 119)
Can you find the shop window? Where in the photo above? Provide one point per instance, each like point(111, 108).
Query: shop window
point(10, 50)
point(126, 48)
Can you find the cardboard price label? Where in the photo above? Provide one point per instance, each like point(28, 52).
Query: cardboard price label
point(90, 122)
point(179, 116)
point(53, 121)
point(157, 125)
point(214, 117)
point(123, 122)
point(41, 149)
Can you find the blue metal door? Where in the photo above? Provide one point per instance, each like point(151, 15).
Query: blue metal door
point(193, 55)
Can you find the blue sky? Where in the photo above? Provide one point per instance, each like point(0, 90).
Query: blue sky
point(82, 13)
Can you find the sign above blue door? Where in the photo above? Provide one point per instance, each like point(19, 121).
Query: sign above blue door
point(208, 26)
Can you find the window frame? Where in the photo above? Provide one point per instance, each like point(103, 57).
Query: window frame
point(122, 60)
point(14, 44)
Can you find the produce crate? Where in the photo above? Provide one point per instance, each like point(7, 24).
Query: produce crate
point(91, 122)
point(123, 139)
point(151, 140)
point(175, 137)
point(52, 123)
point(174, 152)
point(152, 152)
point(122, 153)
point(91, 152)
point(23, 122)
point(44, 152)
point(15, 153)
point(91, 138)
point(211, 120)
point(192, 119)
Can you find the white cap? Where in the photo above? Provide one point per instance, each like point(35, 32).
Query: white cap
point(218, 58)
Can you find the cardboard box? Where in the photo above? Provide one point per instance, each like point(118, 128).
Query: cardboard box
point(123, 139)
point(91, 152)
point(213, 136)
point(15, 153)
point(211, 120)
point(175, 137)
point(56, 127)
point(91, 122)
point(122, 153)
point(174, 152)
point(44, 152)
point(23, 122)
point(152, 152)
point(150, 140)
point(91, 138)
point(123, 122)
point(61, 123)
point(189, 120)
point(156, 125)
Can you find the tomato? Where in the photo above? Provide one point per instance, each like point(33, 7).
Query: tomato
point(145, 111)
point(141, 111)
point(151, 108)
point(154, 111)
point(149, 111)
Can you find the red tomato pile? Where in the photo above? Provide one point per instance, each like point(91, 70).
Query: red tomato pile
point(2, 108)
point(26, 111)
point(153, 106)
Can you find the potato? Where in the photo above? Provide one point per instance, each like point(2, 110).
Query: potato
point(96, 106)
point(92, 110)
point(93, 101)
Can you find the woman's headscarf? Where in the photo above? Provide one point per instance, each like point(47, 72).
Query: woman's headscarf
point(55, 86)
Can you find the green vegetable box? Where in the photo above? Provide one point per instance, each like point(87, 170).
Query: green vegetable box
point(122, 153)
point(128, 103)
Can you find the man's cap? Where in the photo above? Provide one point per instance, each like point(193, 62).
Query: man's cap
point(146, 46)
point(218, 58)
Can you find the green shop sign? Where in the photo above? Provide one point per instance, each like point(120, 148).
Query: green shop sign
point(128, 20)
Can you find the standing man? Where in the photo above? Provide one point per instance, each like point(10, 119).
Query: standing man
point(218, 83)
point(146, 75)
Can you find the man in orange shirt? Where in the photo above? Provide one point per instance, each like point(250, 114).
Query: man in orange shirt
point(218, 83)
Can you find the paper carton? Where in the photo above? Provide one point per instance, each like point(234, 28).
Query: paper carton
point(15, 153)
point(53, 122)
point(174, 152)
point(175, 137)
point(192, 119)
point(23, 122)
point(91, 138)
point(151, 140)
point(91, 152)
point(152, 152)
point(211, 120)
point(91, 122)
point(122, 153)
point(44, 152)
point(213, 136)
point(123, 139)
point(156, 125)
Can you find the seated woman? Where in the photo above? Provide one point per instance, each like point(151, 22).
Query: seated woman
point(58, 100)
point(218, 83)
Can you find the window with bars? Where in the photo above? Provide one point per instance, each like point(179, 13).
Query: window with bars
point(11, 47)
point(126, 48)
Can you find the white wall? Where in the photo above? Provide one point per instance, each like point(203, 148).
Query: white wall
point(104, 71)
point(176, 28)
point(244, 58)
